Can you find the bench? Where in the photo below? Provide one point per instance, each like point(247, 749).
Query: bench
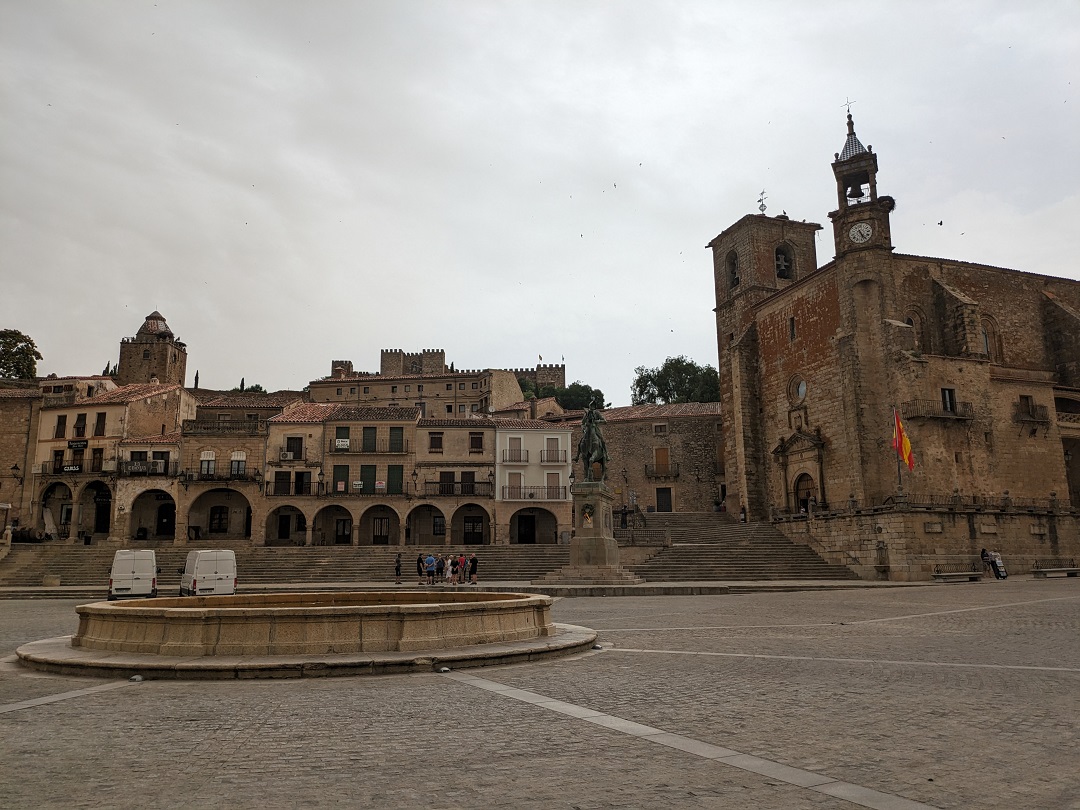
point(1055, 565)
point(957, 572)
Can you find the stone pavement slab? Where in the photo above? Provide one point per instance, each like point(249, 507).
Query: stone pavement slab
point(940, 696)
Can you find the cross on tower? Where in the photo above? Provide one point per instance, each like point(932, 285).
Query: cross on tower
point(761, 201)
point(847, 104)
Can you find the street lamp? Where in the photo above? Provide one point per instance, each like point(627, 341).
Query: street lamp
point(19, 479)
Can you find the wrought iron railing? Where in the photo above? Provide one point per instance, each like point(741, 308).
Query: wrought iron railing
point(935, 409)
point(661, 470)
point(480, 489)
point(534, 493)
point(275, 490)
point(383, 446)
point(225, 427)
point(515, 456)
point(1023, 412)
point(552, 456)
point(152, 467)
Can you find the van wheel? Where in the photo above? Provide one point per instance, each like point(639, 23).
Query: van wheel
point(110, 598)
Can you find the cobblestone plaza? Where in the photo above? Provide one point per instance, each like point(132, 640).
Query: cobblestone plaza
point(948, 696)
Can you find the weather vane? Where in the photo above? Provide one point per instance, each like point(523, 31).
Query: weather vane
point(761, 201)
point(848, 104)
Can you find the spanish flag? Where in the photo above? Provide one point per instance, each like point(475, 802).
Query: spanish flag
point(900, 442)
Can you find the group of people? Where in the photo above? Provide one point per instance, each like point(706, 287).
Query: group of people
point(435, 569)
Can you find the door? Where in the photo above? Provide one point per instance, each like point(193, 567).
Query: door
point(284, 526)
point(474, 531)
point(663, 499)
point(367, 479)
point(342, 531)
point(166, 520)
point(446, 483)
point(468, 483)
point(526, 529)
point(380, 531)
point(662, 459)
point(102, 507)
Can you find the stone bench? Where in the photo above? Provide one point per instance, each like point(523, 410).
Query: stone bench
point(1044, 568)
point(957, 572)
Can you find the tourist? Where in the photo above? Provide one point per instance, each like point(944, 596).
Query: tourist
point(472, 569)
point(449, 568)
point(455, 570)
point(440, 566)
point(420, 568)
point(397, 568)
point(429, 568)
point(987, 568)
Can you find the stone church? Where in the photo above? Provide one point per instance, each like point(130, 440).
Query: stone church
point(981, 363)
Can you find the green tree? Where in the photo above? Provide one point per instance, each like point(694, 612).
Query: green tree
point(680, 379)
point(18, 355)
point(575, 396)
point(254, 388)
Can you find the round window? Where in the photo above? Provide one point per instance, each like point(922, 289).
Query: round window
point(797, 390)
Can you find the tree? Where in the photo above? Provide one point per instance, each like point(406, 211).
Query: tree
point(254, 388)
point(575, 396)
point(18, 355)
point(680, 379)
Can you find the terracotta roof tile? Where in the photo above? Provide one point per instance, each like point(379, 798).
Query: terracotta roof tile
point(361, 413)
point(671, 411)
point(125, 394)
point(307, 412)
point(527, 424)
point(166, 438)
point(476, 424)
point(278, 399)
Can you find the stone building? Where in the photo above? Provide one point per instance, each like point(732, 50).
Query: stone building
point(981, 363)
point(532, 484)
point(154, 353)
point(20, 408)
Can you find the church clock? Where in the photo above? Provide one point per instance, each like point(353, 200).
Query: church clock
point(861, 232)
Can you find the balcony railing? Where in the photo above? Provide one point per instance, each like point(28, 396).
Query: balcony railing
point(935, 409)
point(284, 455)
point(152, 467)
point(1069, 418)
point(222, 475)
point(516, 456)
point(384, 446)
point(534, 493)
point(661, 470)
point(552, 456)
point(480, 489)
point(274, 489)
point(1023, 412)
point(225, 427)
point(73, 468)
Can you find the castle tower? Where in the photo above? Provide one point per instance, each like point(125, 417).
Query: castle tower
point(154, 353)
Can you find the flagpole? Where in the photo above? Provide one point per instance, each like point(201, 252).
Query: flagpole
point(897, 439)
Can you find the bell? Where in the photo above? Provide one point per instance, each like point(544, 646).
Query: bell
point(854, 191)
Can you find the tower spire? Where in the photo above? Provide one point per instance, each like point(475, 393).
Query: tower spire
point(852, 146)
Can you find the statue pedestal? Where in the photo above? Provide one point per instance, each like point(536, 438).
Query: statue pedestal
point(594, 553)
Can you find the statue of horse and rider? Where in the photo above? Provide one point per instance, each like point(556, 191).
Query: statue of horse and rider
point(591, 448)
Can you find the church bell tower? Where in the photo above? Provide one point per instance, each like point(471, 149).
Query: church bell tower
point(862, 220)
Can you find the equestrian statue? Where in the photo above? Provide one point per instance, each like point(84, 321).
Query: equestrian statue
point(591, 449)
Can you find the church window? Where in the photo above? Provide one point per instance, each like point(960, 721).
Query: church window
point(791, 329)
point(988, 333)
point(784, 262)
point(146, 354)
point(796, 390)
point(733, 268)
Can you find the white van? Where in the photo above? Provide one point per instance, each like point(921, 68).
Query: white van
point(209, 573)
point(134, 574)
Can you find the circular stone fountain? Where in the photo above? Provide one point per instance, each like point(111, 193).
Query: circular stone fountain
point(306, 634)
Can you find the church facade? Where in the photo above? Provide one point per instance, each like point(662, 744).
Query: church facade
point(980, 363)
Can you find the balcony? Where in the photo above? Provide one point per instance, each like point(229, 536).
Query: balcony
point(224, 427)
point(153, 467)
point(78, 468)
point(275, 489)
point(515, 456)
point(284, 456)
point(534, 493)
point(1030, 413)
point(552, 456)
point(383, 447)
point(480, 489)
point(935, 409)
point(661, 470)
point(223, 476)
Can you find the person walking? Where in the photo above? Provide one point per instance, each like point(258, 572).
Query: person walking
point(472, 569)
point(397, 568)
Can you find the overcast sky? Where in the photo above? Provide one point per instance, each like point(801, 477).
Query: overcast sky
point(293, 183)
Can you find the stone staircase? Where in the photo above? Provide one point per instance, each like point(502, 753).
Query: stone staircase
point(709, 546)
point(28, 564)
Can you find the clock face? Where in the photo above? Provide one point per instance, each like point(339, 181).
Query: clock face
point(860, 232)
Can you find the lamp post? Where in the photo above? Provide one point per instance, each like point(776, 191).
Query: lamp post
point(322, 477)
point(414, 484)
